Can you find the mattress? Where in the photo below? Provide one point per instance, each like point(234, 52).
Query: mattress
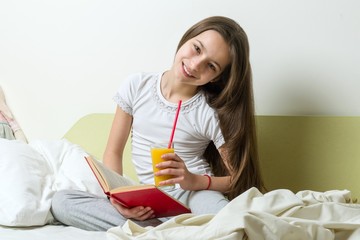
point(54, 232)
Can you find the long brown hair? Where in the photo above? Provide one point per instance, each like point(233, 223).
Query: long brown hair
point(231, 95)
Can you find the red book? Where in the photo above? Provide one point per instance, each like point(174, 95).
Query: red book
point(127, 193)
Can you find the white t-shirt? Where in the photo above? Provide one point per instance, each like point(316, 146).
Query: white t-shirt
point(153, 118)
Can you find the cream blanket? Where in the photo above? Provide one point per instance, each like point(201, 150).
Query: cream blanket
point(279, 214)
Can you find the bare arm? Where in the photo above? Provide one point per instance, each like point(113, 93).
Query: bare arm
point(222, 184)
point(118, 136)
point(113, 157)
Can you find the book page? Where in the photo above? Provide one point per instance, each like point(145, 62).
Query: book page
point(113, 179)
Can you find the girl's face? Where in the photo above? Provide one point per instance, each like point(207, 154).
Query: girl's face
point(201, 59)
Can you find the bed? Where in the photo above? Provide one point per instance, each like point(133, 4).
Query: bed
point(310, 166)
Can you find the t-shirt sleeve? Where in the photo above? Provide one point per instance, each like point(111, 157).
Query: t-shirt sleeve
point(217, 137)
point(212, 129)
point(126, 94)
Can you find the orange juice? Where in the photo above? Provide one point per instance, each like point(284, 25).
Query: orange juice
point(157, 150)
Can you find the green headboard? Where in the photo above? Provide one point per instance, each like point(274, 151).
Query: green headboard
point(315, 153)
point(91, 132)
point(296, 152)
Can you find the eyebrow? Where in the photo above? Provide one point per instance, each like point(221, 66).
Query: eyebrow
point(202, 46)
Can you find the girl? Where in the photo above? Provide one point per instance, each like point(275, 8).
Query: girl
point(215, 156)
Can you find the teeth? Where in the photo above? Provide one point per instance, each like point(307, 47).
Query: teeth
point(187, 71)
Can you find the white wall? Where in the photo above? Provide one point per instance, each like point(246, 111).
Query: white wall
point(60, 60)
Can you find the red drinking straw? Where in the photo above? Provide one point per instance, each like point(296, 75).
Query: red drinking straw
point(175, 121)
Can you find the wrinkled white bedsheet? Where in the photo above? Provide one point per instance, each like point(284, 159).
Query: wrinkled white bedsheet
point(279, 214)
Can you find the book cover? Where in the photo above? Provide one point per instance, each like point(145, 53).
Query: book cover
point(129, 194)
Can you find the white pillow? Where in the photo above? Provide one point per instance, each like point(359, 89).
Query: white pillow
point(31, 173)
point(70, 167)
point(25, 185)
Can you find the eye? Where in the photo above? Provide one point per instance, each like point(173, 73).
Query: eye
point(212, 67)
point(197, 49)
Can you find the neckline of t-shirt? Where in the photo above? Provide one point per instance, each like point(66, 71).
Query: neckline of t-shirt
point(171, 104)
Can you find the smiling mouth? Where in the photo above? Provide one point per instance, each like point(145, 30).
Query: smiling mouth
point(187, 72)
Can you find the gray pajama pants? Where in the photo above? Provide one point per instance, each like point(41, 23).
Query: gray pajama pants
point(90, 212)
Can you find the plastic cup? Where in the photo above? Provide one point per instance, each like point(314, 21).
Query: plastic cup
point(157, 150)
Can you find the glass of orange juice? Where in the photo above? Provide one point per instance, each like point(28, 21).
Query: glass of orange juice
point(157, 150)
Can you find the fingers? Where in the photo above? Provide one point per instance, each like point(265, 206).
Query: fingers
point(171, 161)
point(141, 213)
point(171, 181)
point(174, 166)
point(176, 173)
point(138, 213)
point(171, 156)
point(171, 167)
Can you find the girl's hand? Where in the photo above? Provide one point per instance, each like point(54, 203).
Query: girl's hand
point(138, 213)
point(176, 167)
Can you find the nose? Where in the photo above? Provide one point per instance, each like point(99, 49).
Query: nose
point(196, 63)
